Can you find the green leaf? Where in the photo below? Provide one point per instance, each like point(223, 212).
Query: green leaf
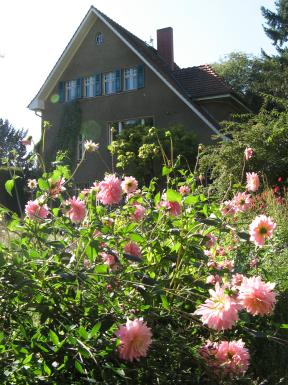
point(173, 196)
point(95, 330)
point(27, 359)
point(46, 368)
point(157, 198)
point(9, 184)
point(136, 237)
point(101, 269)
point(192, 200)
point(165, 302)
point(166, 170)
point(283, 326)
point(82, 332)
point(79, 367)
point(43, 184)
point(54, 338)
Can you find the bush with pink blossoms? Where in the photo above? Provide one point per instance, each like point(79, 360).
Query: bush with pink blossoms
point(121, 285)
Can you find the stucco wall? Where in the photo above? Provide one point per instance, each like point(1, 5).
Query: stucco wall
point(155, 99)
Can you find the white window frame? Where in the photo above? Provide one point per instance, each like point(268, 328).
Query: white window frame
point(120, 125)
point(89, 87)
point(70, 90)
point(109, 80)
point(130, 78)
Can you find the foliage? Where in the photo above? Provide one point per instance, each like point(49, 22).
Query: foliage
point(62, 304)
point(266, 133)
point(66, 139)
point(277, 29)
point(238, 70)
point(10, 144)
point(137, 150)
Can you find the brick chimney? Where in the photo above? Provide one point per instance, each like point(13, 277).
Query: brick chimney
point(165, 45)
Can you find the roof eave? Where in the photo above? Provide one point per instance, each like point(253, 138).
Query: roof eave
point(222, 96)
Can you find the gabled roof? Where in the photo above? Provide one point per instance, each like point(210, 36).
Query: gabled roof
point(186, 83)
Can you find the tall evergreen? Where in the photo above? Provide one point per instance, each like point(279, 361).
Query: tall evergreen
point(277, 24)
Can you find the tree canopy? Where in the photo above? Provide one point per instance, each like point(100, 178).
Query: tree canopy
point(11, 147)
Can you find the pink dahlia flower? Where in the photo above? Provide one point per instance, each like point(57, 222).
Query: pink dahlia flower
point(228, 208)
point(129, 185)
point(135, 339)
point(211, 240)
point(248, 153)
point(110, 191)
point(237, 279)
point(138, 213)
point(213, 279)
point(226, 264)
point(233, 357)
point(257, 296)
point(109, 259)
point(76, 211)
point(242, 201)
point(56, 187)
point(253, 181)
point(174, 208)
point(132, 248)
point(261, 229)
point(220, 311)
point(184, 190)
point(34, 210)
point(228, 358)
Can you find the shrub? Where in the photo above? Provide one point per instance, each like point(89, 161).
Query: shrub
point(115, 288)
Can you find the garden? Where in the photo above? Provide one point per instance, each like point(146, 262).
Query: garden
point(125, 284)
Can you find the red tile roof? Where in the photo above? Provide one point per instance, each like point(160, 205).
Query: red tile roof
point(201, 82)
point(194, 82)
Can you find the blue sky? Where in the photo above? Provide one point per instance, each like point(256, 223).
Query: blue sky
point(33, 34)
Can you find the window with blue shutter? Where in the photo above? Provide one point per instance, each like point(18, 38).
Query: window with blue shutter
point(79, 91)
point(62, 92)
point(98, 84)
point(140, 76)
point(118, 80)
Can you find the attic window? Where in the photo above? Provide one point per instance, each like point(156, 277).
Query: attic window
point(99, 38)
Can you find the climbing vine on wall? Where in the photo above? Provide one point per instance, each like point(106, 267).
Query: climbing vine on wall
point(70, 128)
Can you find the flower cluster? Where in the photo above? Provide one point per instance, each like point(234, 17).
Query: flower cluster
point(220, 311)
point(230, 359)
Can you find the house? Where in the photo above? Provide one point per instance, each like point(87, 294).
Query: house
point(111, 78)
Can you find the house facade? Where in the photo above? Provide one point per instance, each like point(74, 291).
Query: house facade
point(117, 80)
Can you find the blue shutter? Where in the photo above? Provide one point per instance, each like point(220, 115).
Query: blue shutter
point(62, 92)
point(79, 91)
point(140, 76)
point(118, 80)
point(98, 84)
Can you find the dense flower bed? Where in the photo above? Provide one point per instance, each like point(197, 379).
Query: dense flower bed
point(135, 286)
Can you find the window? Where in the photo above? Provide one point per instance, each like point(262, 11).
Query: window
point(89, 87)
point(110, 83)
point(115, 128)
point(130, 78)
point(70, 90)
point(99, 38)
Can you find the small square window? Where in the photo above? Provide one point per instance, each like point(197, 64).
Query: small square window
point(99, 38)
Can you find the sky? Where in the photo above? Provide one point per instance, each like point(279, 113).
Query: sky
point(34, 33)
